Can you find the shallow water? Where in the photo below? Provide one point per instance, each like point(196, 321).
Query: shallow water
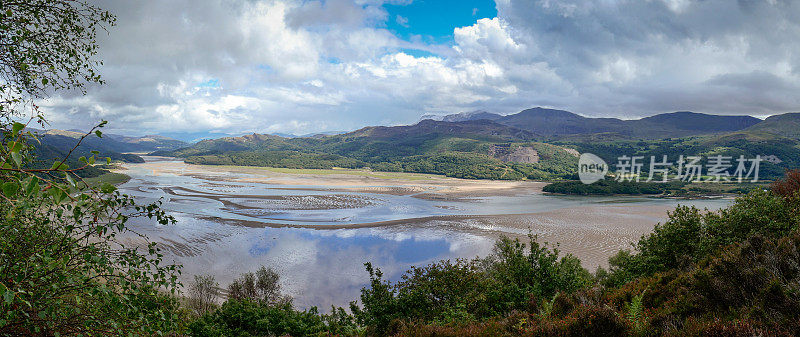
point(325, 266)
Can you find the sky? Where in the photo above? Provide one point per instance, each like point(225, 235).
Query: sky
point(192, 69)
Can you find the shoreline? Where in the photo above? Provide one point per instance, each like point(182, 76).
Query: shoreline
point(585, 226)
point(451, 195)
point(418, 185)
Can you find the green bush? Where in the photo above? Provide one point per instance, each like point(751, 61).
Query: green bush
point(510, 279)
point(63, 268)
point(248, 318)
point(610, 186)
point(690, 234)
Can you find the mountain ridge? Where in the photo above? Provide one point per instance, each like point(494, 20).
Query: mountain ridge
point(469, 149)
point(555, 123)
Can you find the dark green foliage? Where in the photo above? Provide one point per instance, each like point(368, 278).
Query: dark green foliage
point(749, 286)
point(689, 234)
point(583, 320)
point(247, 318)
point(62, 270)
point(536, 273)
point(610, 187)
point(256, 307)
point(456, 164)
point(287, 159)
point(468, 291)
point(263, 286)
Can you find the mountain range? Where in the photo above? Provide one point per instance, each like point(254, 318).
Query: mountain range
point(536, 143)
point(484, 145)
point(114, 142)
point(55, 144)
point(552, 123)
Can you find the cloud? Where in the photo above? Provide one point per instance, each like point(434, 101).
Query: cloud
point(308, 66)
point(403, 21)
point(645, 57)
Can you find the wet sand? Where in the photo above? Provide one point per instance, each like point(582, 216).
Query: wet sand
point(590, 232)
point(415, 184)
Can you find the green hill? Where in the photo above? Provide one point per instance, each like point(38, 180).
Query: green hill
point(120, 143)
point(785, 125)
point(456, 149)
point(55, 144)
point(464, 149)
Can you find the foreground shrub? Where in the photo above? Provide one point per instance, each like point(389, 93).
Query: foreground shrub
point(789, 186)
point(716, 327)
point(582, 321)
point(248, 318)
point(514, 277)
point(520, 274)
point(62, 270)
point(263, 286)
point(691, 235)
point(753, 285)
point(202, 294)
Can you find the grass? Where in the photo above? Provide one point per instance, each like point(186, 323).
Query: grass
point(110, 177)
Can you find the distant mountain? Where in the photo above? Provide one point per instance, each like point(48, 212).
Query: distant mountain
point(464, 129)
point(691, 121)
point(308, 135)
point(785, 125)
point(149, 142)
point(410, 138)
point(482, 148)
point(551, 122)
point(560, 123)
point(55, 144)
point(322, 134)
point(285, 135)
point(120, 143)
point(471, 116)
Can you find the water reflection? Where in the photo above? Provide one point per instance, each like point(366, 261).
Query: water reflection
point(319, 267)
point(224, 228)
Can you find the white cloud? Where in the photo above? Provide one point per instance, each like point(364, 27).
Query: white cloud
point(305, 66)
point(403, 21)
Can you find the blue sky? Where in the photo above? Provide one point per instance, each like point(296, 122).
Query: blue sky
point(433, 21)
point(230, 67)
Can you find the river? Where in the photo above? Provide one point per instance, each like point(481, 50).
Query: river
point(318, 228)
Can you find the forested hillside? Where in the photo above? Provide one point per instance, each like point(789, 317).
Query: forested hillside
point(462, 149)
point(453, 149)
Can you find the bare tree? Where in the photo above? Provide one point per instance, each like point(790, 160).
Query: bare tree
point(203, 293)
point(263, 286)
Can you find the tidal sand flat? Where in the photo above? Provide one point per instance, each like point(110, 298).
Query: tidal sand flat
point(318, 227)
